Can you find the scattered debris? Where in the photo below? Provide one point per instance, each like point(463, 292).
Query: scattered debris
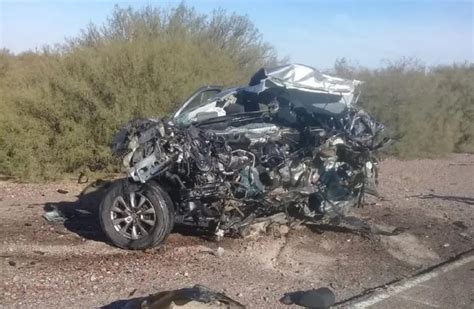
point(196, 297)
point(219, 252)
point(54, 216)
point(319, 298)
point(132, 293)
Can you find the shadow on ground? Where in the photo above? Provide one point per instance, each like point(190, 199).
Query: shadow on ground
point(82, 215)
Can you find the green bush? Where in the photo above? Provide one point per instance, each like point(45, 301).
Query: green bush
point(428, 111)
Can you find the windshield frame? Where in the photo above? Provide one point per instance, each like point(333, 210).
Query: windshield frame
point(196, 93)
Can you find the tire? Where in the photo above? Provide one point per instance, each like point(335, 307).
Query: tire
point(136, 225)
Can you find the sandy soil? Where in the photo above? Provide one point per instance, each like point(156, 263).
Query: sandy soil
point(70, 265)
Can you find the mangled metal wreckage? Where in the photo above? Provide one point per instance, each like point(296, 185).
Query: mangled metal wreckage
point(291, 141)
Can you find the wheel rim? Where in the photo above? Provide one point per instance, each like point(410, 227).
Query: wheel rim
point(133, 216)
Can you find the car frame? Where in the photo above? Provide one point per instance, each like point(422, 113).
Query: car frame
point(293, 141)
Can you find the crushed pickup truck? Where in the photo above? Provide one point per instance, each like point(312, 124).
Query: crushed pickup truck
point(293, 141)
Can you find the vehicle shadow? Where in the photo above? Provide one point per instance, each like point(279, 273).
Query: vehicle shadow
point(82, 215)
point(459, 199)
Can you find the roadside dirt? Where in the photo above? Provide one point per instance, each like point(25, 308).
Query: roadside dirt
point(70, 265)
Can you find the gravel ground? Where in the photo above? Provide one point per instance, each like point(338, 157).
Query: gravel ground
point(70, 265)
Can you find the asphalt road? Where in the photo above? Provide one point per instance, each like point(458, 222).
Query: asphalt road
point(448, 286)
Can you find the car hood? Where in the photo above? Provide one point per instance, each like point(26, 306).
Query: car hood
point(303, 85)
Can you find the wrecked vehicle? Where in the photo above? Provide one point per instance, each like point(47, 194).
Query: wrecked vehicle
point(292, 141)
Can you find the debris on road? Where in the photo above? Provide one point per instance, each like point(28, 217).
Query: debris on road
point(196, 297)
point(319, 299)
point(54, 216)
point(219, 252)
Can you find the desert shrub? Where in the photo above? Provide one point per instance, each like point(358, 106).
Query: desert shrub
point(428, 110)
point(61, 106)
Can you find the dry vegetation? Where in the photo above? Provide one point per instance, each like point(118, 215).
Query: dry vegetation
point(428, 110)
point(60, 106)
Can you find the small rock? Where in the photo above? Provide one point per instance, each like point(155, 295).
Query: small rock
point(283, 230)
point(12, 263)
point(240, 295)
point(186, 274)
point(265, 298)
point(116, 264)
point(132, 293)
point(93, 278)
point(62, 191)
point(446, 245)
point(219, 252)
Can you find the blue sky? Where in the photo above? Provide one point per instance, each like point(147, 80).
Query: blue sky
point(312, 32)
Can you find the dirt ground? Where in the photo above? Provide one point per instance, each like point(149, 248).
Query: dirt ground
point(70, 265)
